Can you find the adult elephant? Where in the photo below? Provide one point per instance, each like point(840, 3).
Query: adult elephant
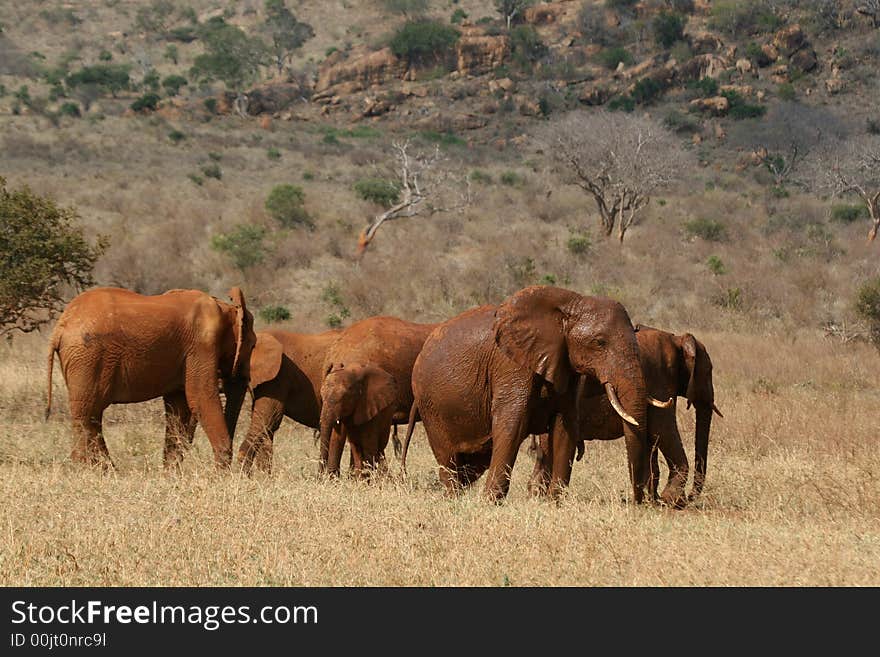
point(674, 366)
point(119, 347)
point(371, 358)
point(287, 370)
point(487, 378)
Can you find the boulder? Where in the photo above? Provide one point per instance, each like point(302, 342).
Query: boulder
point(705, 42)
point(376, 106)
point(359, 73)
point(701, 66)
point(743, 66)
point(504, 85)
point(276, 97)
point(805, 60)
point(769, 55)
point(790, 39)
point(476, 55)
point(834, 86)
point(544, 13)
point(717, 105)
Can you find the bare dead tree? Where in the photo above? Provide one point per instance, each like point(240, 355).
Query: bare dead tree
point(854, 168)
point(871, 9)
point(620, 160)
point(426, 184)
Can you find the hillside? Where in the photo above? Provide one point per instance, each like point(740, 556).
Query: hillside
point(162, 183)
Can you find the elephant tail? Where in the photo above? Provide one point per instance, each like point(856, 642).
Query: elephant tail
point(54, 343)
point(413, 413)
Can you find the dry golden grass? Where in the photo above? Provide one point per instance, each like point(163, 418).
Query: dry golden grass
point(793, 498)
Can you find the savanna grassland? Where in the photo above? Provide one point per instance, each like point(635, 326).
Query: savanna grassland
point(765, 277)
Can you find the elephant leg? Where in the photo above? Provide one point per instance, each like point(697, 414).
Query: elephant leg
point(89, 446)
point(203, 394)
point(562, 454)
point(508, 432)
point(180, 426)
point(357, 463)
point(256, 448)
point(539, 482)
point(676, 460)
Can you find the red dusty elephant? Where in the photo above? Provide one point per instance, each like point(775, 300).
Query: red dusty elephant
point(490, 376)
point(674, 366)
point(287, 370)
point(119, 347)
point(367, 388)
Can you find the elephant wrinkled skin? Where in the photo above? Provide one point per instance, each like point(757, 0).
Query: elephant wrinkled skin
point(490, 376)
point(674, 366)
point(119, 347)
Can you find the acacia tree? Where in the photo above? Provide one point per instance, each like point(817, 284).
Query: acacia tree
point(230, 56)
point(425, 183)
point(512, 9)
point(620, 160)
point(286, 33)
point(42, 252)
point(854, 168)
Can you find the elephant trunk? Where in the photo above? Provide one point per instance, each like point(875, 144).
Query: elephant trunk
point(701, 447)
point(332, 442)
point(625, 387)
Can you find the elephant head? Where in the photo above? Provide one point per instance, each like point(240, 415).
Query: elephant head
point(351, 395)
point(562, 336)
point(695, 384)
point(238, 343)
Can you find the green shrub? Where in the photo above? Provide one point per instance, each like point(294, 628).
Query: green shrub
point(146, 103)
point(731, 298)
point(511, 179)
point(183, 34)
point(243, 244)
point(210, 105)
point(481, 177)
point(710, 230)
point(176, 136)
point(285, 204)
point(376, 190)
point(273, 154)
point(333, 320)
point(624, 103)
point(173, 83)
point(668, 28)
point(611, 57)
point(420, 41)
point(308, 175)
point(786, 91)
point(579, 243)
point(443, 138)
point(70, 109)
point(43, 255)
point(151, 81)
point(706, 87)
point(272, 314)
point(526, 45)
point(681, 122)
point(846, 213)
point(627, 7)
point(171, 53)
point(105, 56)
point(108, 78)
point(715, 265)
point(212, 171)
point(458, 16)
point(215, 156)
point(196, 179)
point(740, 109)
point(646, 91)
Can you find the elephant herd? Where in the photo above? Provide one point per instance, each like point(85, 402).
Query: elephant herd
point(546, 362)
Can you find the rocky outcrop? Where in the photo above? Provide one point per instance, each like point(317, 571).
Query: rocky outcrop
point(790, 39)
point(717, 105)
point(545, 12)
point(705, 42)
point(476, 55)
point(702, 66)
point(359, 73)
point(272, 98)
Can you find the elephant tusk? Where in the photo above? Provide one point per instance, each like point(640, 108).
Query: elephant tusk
point(715, 408)
point(660, 404)
point(615, 402)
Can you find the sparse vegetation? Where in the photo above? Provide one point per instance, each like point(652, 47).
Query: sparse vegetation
point(273, 314)
point(285, 204)
point(376, 190)
point(424, 41)
point(710, 230)
point(244, 245)
point(611, 57)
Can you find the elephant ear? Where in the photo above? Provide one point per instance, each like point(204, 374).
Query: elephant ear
point(380, 392)
point(265, 359)
point(696, 359)
point(530, 329)
point(241, 320)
